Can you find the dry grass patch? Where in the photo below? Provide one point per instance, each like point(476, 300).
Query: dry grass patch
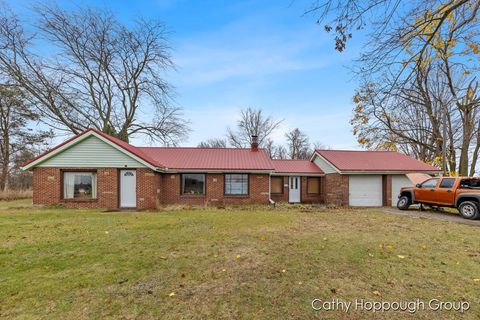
point(15, 194)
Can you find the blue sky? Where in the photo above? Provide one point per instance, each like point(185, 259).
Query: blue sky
point(262, 54)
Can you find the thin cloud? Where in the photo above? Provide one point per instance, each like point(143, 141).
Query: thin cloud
point(262, 60)
point(245, 50)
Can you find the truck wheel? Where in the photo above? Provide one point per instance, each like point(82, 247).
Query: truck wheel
point(403, 203)
point(469, 210)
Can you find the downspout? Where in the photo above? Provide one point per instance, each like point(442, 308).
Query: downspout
point(270, 190)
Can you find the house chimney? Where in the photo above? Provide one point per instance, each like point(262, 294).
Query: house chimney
point(254, 143)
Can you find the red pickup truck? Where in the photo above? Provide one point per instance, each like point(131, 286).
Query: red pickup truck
point(462, 193)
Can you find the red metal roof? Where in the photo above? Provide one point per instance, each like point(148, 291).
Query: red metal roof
point(296, 166)
point(186, 158)
point(246, 159)
point(209, 158)
point(349, 160)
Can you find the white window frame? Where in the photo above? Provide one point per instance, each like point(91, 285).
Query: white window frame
point(69, 191)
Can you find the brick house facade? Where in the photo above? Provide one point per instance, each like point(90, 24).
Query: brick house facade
point(336, 192)
point(47, 186)
point(305, 196)
point(153, 189)
point(214, 191)
point(95, 170)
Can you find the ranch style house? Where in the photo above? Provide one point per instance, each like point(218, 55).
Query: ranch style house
point(95, 170)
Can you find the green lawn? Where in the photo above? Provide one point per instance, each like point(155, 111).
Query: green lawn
point(233, 264)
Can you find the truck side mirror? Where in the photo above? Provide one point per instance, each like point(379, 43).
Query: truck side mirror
point(418, 185)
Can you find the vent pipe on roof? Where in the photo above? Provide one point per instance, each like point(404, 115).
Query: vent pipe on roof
point(254, 143)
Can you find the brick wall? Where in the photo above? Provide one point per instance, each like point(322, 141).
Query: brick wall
point(311, 198)
point(304, 196)
point(107, 188)
point(387, 190)
point(214, 191)
point(47, 189)
point(282, 197)
point(155, 188)
point(336, 189)
point(46, 185)
point(148, 188)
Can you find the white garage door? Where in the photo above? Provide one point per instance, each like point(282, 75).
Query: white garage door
point(365, 190)
point(399, 181)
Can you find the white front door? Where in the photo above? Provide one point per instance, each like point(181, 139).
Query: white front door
point(128, 188)
point(294, 189)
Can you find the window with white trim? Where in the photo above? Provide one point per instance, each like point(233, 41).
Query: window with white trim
point(80, 185)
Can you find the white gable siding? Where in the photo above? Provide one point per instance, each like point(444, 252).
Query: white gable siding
point(324, 165)
point(91, 153)
point(399, 181)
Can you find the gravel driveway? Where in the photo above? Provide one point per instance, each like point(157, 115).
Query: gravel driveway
point(434, 215)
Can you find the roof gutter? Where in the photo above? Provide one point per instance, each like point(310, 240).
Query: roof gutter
point(387, 172)
point(295, 174)
point(217, 171)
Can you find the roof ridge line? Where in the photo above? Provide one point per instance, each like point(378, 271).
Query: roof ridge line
point(342, 150)
point(290, 160)
point(198, 148)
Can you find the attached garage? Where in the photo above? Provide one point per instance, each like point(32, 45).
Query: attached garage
point(365, 190)
point(368, 190)
point(399, 181)
point(367, 178)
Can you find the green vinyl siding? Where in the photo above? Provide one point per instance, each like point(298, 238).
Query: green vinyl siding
point(324, 165)
point(91, 153)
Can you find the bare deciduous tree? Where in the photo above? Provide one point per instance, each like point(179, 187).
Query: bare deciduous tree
point(422, 118)
point(419, 81)
point(298, 144)
point(97, 72)
point(252, 122)
point(281, 152)
point(270, 147)
point(17, 138)
point(317, 145)
point(213, 143)
point(401, 33)
point(346, 17)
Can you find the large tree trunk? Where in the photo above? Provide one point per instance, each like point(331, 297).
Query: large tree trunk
point(451, 155)
point(5, 177)
point(6, 160)
point(475, 152)
point(452, 160)
point(474, 160)
point(463, 166)
point(467, 135)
